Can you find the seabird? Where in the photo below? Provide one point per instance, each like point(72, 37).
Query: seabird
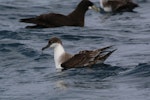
point(85, 58)
point(117, 6)
point(75, 18)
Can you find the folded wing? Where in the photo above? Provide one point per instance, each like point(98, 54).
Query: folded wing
point(88, 58)
point(122, 5)
point(48, 20)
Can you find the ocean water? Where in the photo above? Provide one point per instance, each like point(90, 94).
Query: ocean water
point(27, 73)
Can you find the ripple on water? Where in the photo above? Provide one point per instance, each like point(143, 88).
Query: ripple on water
point(27, 74)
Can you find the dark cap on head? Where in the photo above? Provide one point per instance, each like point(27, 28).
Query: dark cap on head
point(55, 40)
point(88, 2)
point(51, 41)
point(85, 4)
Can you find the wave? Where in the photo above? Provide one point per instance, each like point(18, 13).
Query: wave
point(101, 72)
point(94, 73)
point(9, 34)
point(6, 6)
point(141, 70)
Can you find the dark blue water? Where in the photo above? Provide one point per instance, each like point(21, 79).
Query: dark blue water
point(28, 74)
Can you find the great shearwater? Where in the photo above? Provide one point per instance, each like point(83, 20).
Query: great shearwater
point(85, 58)
point(75, 18)
point(117, 5)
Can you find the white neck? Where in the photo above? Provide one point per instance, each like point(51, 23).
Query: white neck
point(58, 51)
point(106, 8)
point(101, 3)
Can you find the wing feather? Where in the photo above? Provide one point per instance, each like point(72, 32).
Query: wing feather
point(119, 5)
point(50, 19)
point(88, 58)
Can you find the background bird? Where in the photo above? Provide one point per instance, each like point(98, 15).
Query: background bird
point(75, 18)
point(117, 5)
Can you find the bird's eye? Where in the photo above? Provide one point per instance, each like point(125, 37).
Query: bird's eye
point(50, 42)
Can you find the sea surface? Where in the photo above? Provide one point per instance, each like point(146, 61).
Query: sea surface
point(27, 73)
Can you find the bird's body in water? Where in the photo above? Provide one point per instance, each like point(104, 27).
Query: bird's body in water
point(50, 20)
point(117, 5)
point(85, 58)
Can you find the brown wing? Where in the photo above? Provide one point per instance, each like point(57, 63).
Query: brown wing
point(49, 20)
point(88, 58)
point(122, 5)
point(115, 4)
point(78, 60)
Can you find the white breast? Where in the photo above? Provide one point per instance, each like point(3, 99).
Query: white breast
point(101, 4)
point(58, 51)
point(106, 8)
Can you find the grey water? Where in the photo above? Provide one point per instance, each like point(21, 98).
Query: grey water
point(27, 73)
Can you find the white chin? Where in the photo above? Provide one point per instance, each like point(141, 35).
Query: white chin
point(54, 45)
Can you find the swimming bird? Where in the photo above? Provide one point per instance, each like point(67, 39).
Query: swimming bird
point(75, 18)
point(117, 5)
point(85, 58)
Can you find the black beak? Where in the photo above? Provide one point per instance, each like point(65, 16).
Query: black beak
point(46, 47)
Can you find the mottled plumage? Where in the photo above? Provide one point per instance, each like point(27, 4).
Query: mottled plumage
point(85, 58)
point(117, 5)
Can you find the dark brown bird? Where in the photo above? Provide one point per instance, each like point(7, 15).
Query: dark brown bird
point(117, 5)
point(86, 58)
point(75, 18)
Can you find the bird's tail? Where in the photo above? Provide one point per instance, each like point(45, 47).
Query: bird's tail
point(28, 20)
point(105, 48)
point(104, 55)
point(108, 54)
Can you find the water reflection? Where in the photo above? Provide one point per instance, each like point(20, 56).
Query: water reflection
point(94, 78)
